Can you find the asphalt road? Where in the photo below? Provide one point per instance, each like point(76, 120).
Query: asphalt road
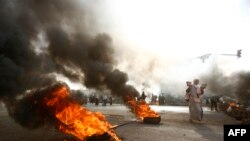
point(174, 126)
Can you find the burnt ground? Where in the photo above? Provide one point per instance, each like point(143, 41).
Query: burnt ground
point(174, 126)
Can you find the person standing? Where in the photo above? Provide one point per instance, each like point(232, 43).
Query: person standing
point(195, 108)
point(110, 100)
point(143, 96)
point(214, 100)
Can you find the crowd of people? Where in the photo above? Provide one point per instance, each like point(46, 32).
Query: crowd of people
point(195, 98)
point(194, 92)
point(94, 99)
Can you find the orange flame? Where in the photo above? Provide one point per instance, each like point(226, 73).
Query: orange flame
point(76, 120)
point(141, 108)
point(232, 104)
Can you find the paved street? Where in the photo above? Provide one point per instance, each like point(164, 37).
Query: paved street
point(174, 126)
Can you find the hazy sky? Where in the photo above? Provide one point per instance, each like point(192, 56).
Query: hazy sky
point(160, 39)
point(173, 28)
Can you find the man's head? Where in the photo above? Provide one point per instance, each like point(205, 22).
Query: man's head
point(196, 81)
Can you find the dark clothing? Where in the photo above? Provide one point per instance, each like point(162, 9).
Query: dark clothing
point(143, 96)
point(96, 101)
point(110, 100)
point(214, 105)
point(214, 100)
point(104, 102)
point(161, 100)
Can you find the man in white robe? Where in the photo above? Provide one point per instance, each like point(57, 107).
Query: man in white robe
point(195, 108)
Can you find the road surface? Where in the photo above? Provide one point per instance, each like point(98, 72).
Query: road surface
point(174, 126)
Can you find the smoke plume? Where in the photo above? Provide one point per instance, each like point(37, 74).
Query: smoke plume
point(235, 85)
point(73, 50)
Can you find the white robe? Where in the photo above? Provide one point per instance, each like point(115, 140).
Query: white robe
point(195, 108)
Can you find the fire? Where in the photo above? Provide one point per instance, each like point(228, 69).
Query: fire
point(232, 104)
point(74, 119)
point(141, 108)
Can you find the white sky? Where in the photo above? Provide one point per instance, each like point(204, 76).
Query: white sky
point(174, 27)
point(177, 31)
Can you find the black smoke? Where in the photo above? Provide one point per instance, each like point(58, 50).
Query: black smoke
point(32, 112)
point(243, 86)
point(21, 68)
point(74, 50)
point(235, 85)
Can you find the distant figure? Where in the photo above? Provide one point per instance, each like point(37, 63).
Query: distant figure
point(188, 91)
point(214, 100)
point(154, 99)
point(143, 96)
point(105, 101)
point(207, 100)
point(92, 99)
point(195, 108)
point(96, 100)
point(161, 100)
point(110, 100)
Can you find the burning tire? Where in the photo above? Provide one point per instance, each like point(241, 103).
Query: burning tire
point(152, 120)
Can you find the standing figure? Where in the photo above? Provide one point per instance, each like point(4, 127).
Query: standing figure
point(161, 99)
point(188, 91)
point(143, 96)
point(214, 100)
point(96, 100)
point(110, 100)
point(105, 101)
point(195, 108)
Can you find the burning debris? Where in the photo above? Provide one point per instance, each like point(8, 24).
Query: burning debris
point(239, 112)
point(143, 111)
point(55, 106)
point(235, 85)
point(74, 119)
point(41, 38)
point(234, 109)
